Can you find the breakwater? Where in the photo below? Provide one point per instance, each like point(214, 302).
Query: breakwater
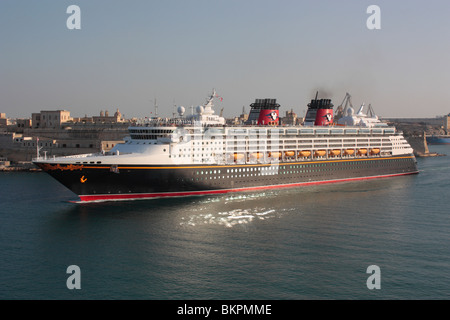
point(6, 166)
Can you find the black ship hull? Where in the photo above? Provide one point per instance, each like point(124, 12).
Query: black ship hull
point(125, 182)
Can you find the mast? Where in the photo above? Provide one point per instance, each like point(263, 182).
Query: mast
point(174, 113)
point(37, 147)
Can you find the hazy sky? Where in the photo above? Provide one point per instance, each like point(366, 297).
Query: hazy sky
point(128, 53)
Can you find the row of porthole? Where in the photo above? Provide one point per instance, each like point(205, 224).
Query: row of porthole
point(284, 172)
point(355, 164)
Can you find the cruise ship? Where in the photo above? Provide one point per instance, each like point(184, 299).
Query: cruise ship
point(199, 154)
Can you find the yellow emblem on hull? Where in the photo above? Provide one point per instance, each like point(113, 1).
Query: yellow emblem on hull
point(83, 179)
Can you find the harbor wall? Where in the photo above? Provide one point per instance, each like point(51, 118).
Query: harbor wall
point(419, 144)
point(437, 121)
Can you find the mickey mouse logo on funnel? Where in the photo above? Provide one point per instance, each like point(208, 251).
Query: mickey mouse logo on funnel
point(273, 115)
point(268, 117)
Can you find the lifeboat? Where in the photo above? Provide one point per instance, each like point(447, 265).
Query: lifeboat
point(304, 153)
point(257, 155)
point(349, 152)
point(274, 154)
point(335, 152)
point(375, 151)
point(289, 153)
point(238, 156)
point(320, 153)
point(362, 151)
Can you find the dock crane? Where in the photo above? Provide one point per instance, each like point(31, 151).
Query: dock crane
point(341, 110)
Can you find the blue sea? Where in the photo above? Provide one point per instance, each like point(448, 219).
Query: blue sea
point(313, 242)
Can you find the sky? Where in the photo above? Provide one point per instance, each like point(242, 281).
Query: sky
point(129, 53)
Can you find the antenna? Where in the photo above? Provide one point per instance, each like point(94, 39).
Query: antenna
point(174, 109)
point(156, 108)
point(38, 149)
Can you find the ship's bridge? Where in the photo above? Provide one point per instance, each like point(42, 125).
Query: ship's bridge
point(150, 133)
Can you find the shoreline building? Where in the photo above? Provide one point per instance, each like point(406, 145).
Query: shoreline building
point(291, 118)
point(4, 122)
point(104, 117)
point(57, 133)
point(50, 119)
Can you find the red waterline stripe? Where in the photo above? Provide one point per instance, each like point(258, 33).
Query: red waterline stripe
point(135, 196)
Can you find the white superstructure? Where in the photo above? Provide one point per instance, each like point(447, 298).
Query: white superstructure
point(204, 138)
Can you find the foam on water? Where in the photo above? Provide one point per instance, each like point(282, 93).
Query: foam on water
point(228, 218)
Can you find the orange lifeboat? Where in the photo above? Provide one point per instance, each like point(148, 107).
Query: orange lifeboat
point(320, 153)
point(289, 153)
point(335, 152)
point(274, 154)
point(238, 156)
point(375, 151)
point(349, 152)
point(257, 155)
point(304, 153)
point(362, 151)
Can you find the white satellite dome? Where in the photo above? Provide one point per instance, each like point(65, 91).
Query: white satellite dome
point(181, 110)
point(199, 109)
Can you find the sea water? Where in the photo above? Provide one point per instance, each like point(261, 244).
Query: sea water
point(314, 242)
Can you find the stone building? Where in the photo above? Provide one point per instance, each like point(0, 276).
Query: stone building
point(106, 118)
point(23, 123)
point(290, 118)
point(50, 119)
point(3, 120)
